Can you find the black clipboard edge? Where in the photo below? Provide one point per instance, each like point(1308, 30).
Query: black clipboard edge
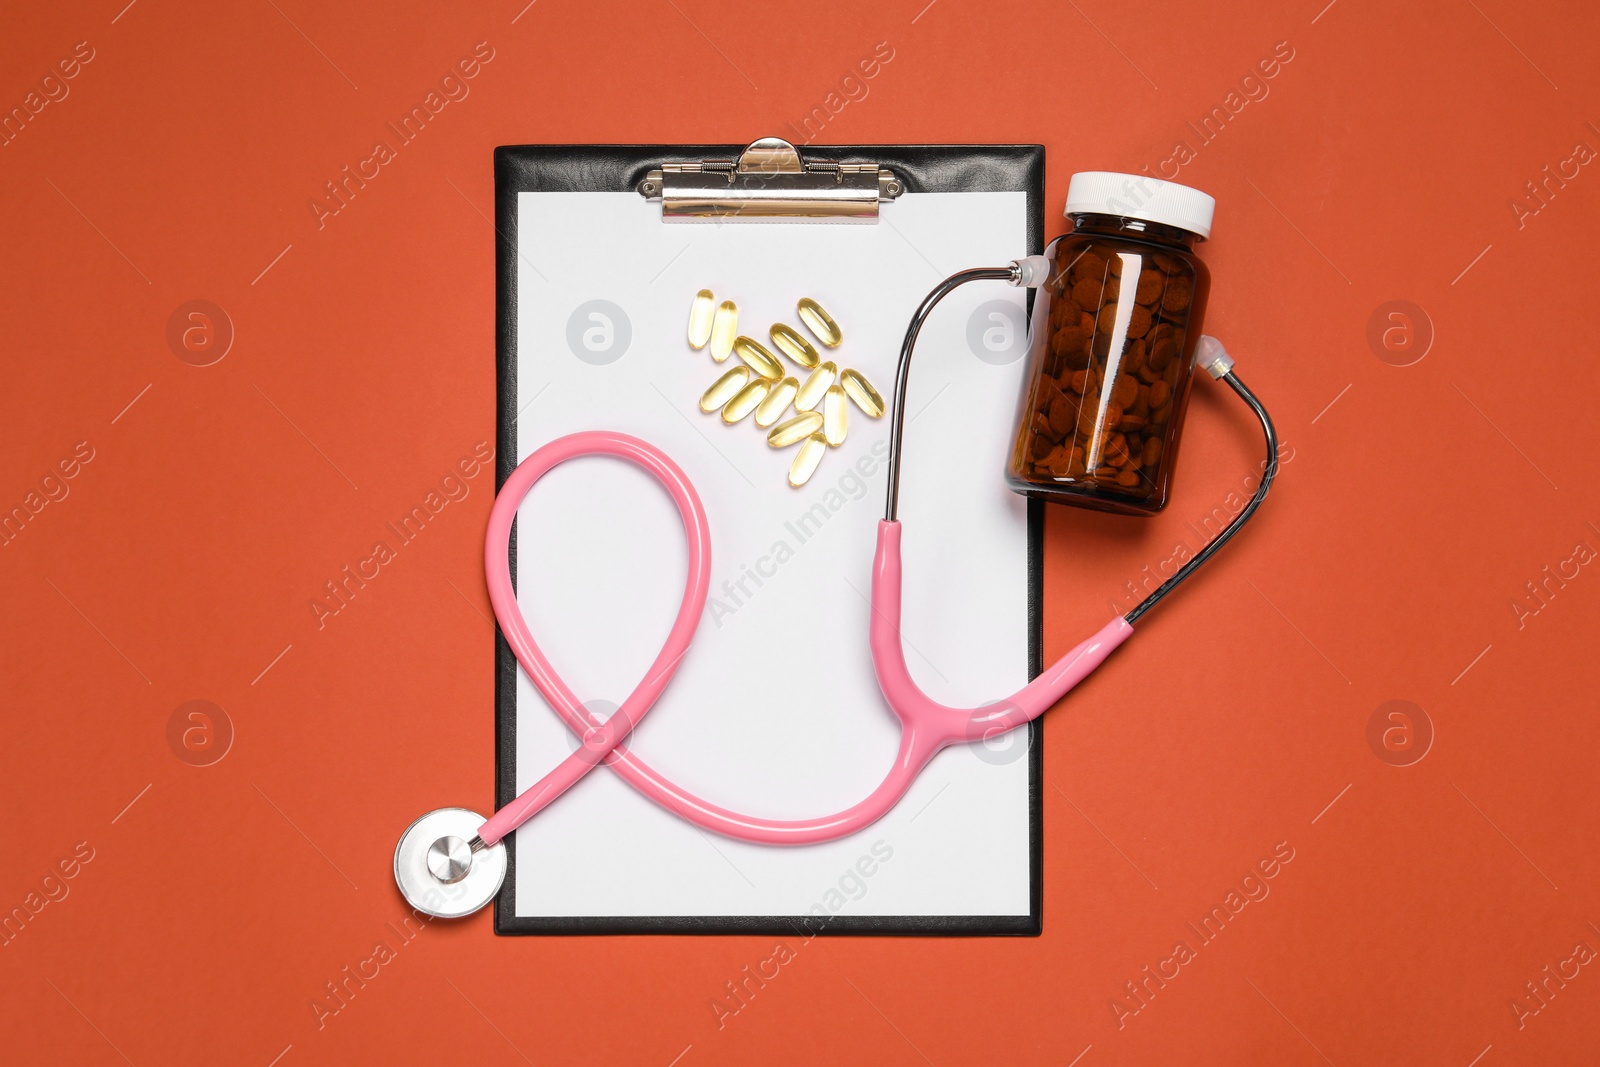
point(583, 168)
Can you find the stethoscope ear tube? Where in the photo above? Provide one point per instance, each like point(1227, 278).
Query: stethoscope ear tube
point(902, 374)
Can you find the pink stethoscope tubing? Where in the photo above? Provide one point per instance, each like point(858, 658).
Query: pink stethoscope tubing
point(926, 725)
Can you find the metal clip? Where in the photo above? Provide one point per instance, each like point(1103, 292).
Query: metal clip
point(770, 182)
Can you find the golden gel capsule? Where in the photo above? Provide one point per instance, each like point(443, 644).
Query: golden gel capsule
point(772, 408)
point(811, 392)
point(723, 388)
point(835, 416)
point(701, 314)
point(796, 429)
point(791, 344)
point(745, 401)
point(724, 328)
point(860, 390)
point(806, 460)
point(819, 322)
point(761, 361)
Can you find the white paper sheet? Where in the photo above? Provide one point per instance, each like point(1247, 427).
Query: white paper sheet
point(775, 711)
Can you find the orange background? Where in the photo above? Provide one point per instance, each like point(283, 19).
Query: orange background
point(1419, 500)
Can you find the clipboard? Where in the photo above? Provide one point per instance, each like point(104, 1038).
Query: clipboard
point(605, 245)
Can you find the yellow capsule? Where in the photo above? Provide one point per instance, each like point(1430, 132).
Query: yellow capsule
point(723, 388)
point(778, 397)
point(798, 428)
point(811, 392)
point(797, 348)
point(860, 390)
point(745, 401)
point(761, 361)
point(819, 322)
point(724, 328)
point(835, 416)
point(701, 314)
point(806, 460)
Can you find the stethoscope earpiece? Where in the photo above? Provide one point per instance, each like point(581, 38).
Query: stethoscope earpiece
point(443, 868)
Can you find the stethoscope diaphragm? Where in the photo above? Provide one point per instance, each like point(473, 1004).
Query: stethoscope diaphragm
point(438, 869)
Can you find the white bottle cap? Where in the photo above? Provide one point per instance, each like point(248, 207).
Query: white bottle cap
point(1134, 196)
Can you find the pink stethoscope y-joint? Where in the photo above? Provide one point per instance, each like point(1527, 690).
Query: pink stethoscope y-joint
point(451, 862)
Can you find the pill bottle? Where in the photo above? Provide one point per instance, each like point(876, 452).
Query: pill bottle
point(1112, 345)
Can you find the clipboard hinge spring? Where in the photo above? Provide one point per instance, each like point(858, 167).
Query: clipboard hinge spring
point(770, 182)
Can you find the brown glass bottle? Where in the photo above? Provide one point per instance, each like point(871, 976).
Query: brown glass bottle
point(1108, 372)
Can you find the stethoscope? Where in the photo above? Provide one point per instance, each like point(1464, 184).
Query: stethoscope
point(452, 861)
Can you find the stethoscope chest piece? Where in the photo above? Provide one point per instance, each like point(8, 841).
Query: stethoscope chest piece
point(438, 870)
